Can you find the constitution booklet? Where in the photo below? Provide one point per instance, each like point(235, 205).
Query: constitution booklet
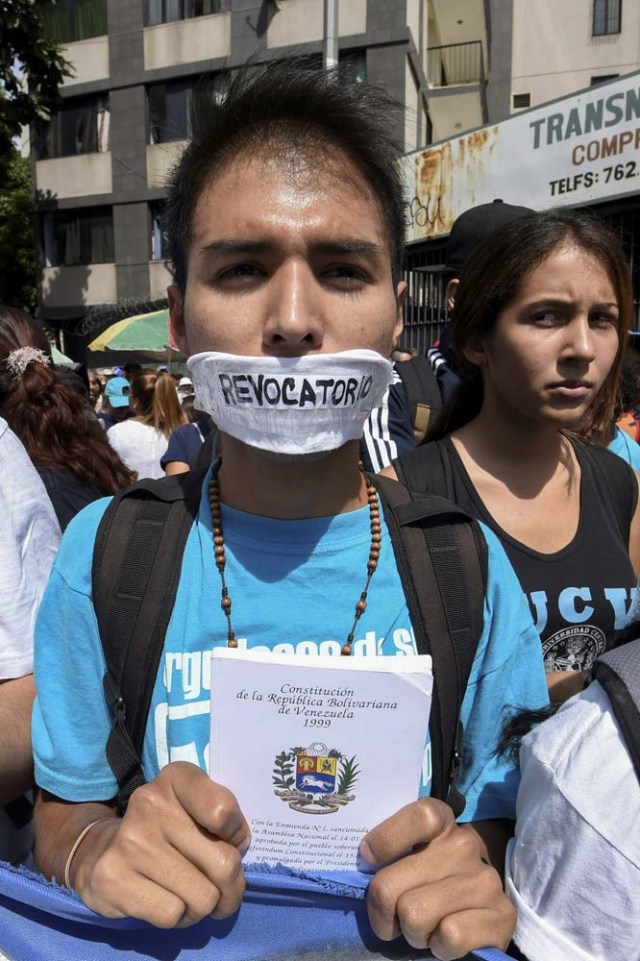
point(318, 750)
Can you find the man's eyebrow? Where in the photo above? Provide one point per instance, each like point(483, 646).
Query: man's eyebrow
point(235, 247)
point(349, 247)
point(247, 246)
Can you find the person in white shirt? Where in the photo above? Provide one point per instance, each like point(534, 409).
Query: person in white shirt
point(29, 536)
point(142, 441)
point(573, 867)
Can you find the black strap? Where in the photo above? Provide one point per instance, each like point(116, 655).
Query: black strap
point(445, 590)
point(422, 392)
point(136, 570)
point(420, 382)
point(618, 672)
point(619, 482)
point(427, 469)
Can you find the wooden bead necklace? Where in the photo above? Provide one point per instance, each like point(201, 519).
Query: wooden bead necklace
point(221, 560)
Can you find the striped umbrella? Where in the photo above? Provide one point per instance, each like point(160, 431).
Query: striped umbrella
point(144, 332)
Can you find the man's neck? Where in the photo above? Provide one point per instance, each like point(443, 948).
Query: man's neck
point(253, 481)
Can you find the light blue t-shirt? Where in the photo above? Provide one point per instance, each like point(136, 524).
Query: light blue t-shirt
point(294, 585)
point(626, 447)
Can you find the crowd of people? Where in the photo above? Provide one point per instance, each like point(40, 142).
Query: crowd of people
point(285, 227)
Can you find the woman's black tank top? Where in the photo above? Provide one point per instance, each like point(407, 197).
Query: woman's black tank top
point(579, 596)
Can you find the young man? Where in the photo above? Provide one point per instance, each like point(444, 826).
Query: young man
point(469, 229)
point(285, 220)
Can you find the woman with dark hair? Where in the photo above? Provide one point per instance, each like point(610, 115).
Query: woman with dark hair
point(540, 323)
point(60, 432)
point(142, 440)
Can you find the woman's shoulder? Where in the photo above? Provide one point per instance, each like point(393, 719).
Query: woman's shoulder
point(129, 428)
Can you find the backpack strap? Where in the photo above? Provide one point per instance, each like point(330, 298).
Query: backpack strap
point(618, 671)
point(444, 586)
point(137, 561)
point(422, 391)
point(427, 470)
point(618, 479)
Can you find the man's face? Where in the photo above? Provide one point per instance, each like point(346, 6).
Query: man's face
point(286, 260)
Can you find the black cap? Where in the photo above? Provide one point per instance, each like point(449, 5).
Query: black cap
point(475, 225)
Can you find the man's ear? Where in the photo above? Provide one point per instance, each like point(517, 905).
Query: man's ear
point(401, 292)
point(177, 332)
point(452, 290)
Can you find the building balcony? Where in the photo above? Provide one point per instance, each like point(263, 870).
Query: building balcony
point(89, 60)
point(159, 279)
point(455, 64)
point(187, 41)
point(82, 175)
point(302, 21)
point(457, 88)
point(161, 157)
point(77, 286)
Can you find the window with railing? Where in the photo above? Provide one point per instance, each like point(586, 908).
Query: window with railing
point(607, 17)
point(80, 126)
point(71, 20)
point(455, 63)
point(170, 11)
point(77, 237)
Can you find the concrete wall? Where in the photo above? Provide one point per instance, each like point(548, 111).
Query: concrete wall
point(89, 59)
point(453, 112)
point(70, 286)
point(160, 159)
point(132, 243)
point(460, 21)
point(302, 21)
point(159, 279)
point(412, 110)
point(79, 176)
point(189, 41)
point(500, 60)
point(554, 53)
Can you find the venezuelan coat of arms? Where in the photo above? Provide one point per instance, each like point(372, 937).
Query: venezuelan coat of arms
point(315, 779)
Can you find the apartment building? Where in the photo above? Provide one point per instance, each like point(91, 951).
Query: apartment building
point(561, 47)
point(100, 165)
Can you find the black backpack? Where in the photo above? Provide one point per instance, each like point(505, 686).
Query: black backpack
point(423, 393)
point(618, 671)
point(441, 555)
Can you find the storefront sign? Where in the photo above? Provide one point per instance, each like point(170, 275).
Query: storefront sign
point(575, 151)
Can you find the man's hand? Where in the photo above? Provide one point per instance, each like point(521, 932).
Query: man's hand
point(442, 893)
point(173, 859)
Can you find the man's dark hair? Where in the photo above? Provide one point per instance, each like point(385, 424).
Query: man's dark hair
point(292, 105)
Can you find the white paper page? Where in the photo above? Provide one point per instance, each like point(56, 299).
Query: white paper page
point(318, 750)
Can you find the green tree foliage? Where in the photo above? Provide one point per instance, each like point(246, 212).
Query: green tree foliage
point(17, 241)
point(31, 68)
